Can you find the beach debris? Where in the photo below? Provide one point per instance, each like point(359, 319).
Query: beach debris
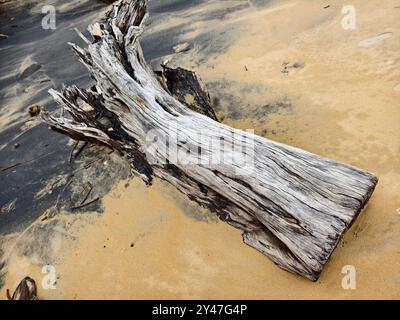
point(292, 205)
point(48, 214)
point(82, 205)
point(34, 110)
point(26, 290)
point(17, 145)
point(3, 36)
point(286, 67)
point(81, 148)
point(327, 6)
point(11, 166)
point(8, 207)
point(90, 188)
point(182, 47)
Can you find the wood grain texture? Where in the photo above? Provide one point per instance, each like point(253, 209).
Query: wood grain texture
point(292, 206)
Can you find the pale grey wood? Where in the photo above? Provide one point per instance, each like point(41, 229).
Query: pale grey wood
point(292, 205)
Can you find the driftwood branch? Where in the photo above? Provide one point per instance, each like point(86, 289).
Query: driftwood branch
point(26, 290)
point(292, 205)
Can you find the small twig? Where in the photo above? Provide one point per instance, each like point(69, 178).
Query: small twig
point(12, 166)
point(85, 204)
point(87, 193)
point(62, 192)
point(86, 166)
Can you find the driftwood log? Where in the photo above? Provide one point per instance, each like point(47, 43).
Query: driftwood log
point(292, 205)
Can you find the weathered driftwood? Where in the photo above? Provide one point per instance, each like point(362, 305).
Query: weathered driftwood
point(292, 205)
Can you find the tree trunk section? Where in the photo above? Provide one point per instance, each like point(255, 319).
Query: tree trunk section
point(292, 206)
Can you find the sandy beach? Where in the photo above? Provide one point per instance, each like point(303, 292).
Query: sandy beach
point(288, 70)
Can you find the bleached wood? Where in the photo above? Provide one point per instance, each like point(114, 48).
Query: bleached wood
point(292, 205)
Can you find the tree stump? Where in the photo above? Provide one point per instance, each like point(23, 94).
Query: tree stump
point(292, 205)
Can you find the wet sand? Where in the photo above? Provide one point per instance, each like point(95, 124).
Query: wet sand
point(340, 100)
